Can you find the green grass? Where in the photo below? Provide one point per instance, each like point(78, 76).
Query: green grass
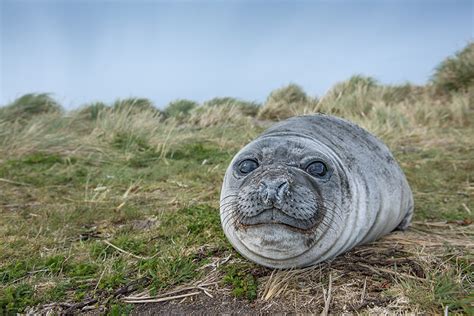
point(243, 283)
point(444, 286)
point(440, 181)
point(150, 186)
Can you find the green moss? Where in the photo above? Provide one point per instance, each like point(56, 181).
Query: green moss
point(119, 309)
point(244, 284)
point(15, 270)
point(14, 299)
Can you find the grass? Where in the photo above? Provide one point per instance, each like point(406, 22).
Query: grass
point(108, 202)
point(457, 72)
point(244, 284)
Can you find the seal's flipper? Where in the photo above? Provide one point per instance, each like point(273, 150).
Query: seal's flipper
point(406, 220)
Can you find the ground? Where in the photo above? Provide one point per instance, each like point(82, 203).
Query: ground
point(102, 214)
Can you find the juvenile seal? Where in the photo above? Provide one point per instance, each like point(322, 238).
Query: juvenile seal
point(310, 188)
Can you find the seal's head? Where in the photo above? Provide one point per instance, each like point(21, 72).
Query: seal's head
point(280, 195)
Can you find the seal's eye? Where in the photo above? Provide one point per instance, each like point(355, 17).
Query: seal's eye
point(317, 169)
point(247, 166)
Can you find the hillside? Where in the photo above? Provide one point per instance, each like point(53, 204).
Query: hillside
point(109, 204)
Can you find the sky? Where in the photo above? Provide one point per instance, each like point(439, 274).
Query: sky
point(87, 51)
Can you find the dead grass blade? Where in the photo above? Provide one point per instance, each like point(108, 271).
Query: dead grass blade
point(327, 297)
point(163, 299)
point(124, 251)
point(14, 182)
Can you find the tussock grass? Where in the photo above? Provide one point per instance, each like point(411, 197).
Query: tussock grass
point(91, 111)
point(285, 102)
point(246, 107)
point(133, 106)
point(73, 184)
point(457, 72)
point(180, 108)
point(29, 106)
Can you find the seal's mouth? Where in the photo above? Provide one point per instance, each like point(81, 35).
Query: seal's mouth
point(275, 216)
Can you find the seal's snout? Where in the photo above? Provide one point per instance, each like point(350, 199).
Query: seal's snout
point(272, 191)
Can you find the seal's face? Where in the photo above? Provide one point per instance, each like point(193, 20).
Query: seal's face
point(280, 194)
point(277, 196)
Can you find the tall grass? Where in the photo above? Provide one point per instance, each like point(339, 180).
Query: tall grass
point(457, 72)
point(29, 106)
point(248, 108)
point(390, 111)
point(180, 108)
point(285, 102)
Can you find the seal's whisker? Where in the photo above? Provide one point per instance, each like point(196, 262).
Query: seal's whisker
point(226, 216)
point(230, 218)
point(228, 196)
point(228, 203)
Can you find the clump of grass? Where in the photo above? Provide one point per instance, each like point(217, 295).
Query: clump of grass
point(246, 107)
point(407, 92)
point(120, 309)
point(355, 83)
point(284, 102)
point(353, 97)
point(166, 272)
point(244, 284)
point(92, 111)
point(180, 108)
point(29, 106)
point(448, 285)
point(208, 116)
point(133, 106)
point(15, 299)
point(456, 73)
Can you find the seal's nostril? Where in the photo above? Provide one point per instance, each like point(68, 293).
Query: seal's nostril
point(282, 190)
point(273, 190)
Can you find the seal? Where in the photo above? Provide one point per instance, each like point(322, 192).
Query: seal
point(310, 188)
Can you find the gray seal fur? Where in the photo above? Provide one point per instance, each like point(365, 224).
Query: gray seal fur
point(281, 216)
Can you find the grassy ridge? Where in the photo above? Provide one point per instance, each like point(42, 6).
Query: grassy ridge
point(113, 195)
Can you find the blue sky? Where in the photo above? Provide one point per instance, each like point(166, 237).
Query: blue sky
point(84, 51)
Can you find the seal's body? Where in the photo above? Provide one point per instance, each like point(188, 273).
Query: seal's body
point(310, 188)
